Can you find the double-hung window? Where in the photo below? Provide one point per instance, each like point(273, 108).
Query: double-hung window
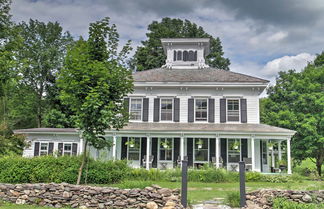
point(234, 150)
point(43, 148)
point(233, 110)
point(134, 148)
point(136, 108)
point(166, 149)
point(67, 149)
point(201, 109)
point(201, 150)
point(166, 109)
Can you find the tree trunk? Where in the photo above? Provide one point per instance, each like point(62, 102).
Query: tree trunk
point(84, 157)
point(319, 163)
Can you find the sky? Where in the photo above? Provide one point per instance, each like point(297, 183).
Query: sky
point(260, 37)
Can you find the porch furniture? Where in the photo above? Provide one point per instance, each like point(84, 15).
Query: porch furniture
point(151, 158)
point(164, 165)
point(248, 163)
point(220, 162)
point(233, 166)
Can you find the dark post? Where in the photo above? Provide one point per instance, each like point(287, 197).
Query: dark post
point(242, 184)
point(184, 183)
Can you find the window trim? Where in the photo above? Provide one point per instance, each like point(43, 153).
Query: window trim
point(63, 150)
point(172, 110)
point(40, 148)
point(159, 148)
point(139, 152)
point(130, 108)
point(239, 110)
point(207, 110)
point(194, 151)
point(227, 149)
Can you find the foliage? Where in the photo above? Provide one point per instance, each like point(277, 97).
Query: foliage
point(56, 119)
point(233, 199)
point(151, 54)
point(296, 102)
point(48, 169)
point(282, 203)
point(134, 184)
point(10, 144)
point(94, 82)
point(319, 60)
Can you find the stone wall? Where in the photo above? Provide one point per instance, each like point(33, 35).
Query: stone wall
point(67, 195)
point(263, 198)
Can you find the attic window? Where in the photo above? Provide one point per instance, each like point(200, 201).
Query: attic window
point(186, 56)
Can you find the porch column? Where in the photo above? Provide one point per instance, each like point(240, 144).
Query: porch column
point(148, 152)
point(288, 156)
point(182, 148)
point(252, 153)
point(217, 151)
point(114, 147)
point(279, 151)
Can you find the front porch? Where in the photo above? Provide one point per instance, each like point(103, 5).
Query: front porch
point(163, 149)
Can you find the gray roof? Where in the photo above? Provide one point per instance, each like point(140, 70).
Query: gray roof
point(186, 127)
point(194, 75)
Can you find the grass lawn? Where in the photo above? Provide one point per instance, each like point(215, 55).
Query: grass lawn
point(198, 192)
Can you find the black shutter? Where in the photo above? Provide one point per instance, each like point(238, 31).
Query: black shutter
point(176, 148)
point(222, 104)
point(123, 148)
point(212, 148)
point(211, 110)
point(126, 104)
point(143, 149)
point(36, 149)
point(176, 115)
point(190, 151)
point(243, 111)
point(224, 151)
point(60, 149)
point(154, 151)
point(74, 149)
point(244, 148)
point(50, 148)
point(145, 109)
point(156, 114)
point(174, 55)
point(191, 110)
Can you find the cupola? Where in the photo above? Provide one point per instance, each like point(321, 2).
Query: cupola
point(185, 53)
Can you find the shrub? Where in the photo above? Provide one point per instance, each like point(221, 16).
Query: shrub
point(233, 199)
point(253, 176)
point(134, 184)
point(282, 203)
point(59, 169)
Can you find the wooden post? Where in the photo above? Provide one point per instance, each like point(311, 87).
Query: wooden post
point(242, 184)
point(184, 183)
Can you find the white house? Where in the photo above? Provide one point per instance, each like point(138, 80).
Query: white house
point(185, 109)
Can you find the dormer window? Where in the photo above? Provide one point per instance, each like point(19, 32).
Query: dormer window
point(186, 56)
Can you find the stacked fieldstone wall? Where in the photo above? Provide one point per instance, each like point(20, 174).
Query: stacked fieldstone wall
point(67, 195)
point(263, 198)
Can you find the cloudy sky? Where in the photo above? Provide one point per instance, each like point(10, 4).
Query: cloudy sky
point(261, 37)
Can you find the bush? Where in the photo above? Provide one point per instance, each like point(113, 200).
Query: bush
point(253, 176)
point(60, 169)
point(233, 199)
point(282, 203)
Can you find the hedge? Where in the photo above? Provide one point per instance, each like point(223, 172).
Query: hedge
point(60, 169)
point(282, 203)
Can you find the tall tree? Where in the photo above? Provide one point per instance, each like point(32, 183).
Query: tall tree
point(40, 59)
point(151, 54)
point(94, 82)
point(297, 102)
point(10, 144)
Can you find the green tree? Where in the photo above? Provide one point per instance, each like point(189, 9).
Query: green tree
point(319, 60)
point(297, 102)
point(151, 54)
point(94, 82)
point(10, 144)
point(40, 58)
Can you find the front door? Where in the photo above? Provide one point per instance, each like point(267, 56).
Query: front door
point(134, 151)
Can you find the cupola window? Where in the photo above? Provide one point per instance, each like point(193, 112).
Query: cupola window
point(185, 56)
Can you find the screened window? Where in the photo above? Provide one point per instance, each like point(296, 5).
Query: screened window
point(166, 109)
point(201, 109)
point(233, 110)
point(201, 149)
point(136, 109)
point(234, 150)
point(67, 149)
point(179, 55)
point(191, 56)
point(166, 149)
point(134, 145)
point(43, 149)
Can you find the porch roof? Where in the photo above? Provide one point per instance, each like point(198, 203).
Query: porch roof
point(208, 127)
